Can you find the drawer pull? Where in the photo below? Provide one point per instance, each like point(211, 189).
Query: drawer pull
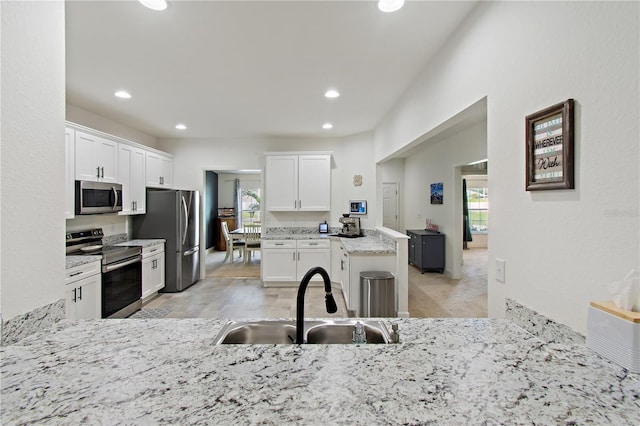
point(75, 274)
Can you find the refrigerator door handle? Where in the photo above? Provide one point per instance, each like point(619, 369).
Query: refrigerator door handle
point(190, 252)
point(186, 220)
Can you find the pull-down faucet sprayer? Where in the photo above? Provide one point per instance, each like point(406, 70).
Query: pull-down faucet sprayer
point(328, 297)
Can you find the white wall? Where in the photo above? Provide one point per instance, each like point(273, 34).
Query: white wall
point(355, 158)
point(94, 121)
point(32, 182)
point(561, 247)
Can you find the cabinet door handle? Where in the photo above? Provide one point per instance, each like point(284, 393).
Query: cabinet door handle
point(298, 255)
point(98, 172)
point(294, 256)
point(79, 293)
point(74, 295)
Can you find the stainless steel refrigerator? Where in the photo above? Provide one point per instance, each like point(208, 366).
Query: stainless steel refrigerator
point(173, 215)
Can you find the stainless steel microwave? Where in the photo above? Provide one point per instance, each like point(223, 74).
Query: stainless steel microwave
point(98, 197)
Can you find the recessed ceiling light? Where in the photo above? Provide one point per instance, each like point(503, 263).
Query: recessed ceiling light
point(327, 126)
point(332, 93)
point(122, 94)
point(181, 126)
point(390, 5)
point(154, 4)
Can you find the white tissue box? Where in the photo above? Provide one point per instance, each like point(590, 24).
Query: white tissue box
point(615, 334)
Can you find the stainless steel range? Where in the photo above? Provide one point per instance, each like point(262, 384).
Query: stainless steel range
point(121, 271)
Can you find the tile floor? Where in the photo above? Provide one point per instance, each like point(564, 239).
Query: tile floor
point(431, 295)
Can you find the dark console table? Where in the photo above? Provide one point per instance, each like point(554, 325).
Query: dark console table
point(426, 250)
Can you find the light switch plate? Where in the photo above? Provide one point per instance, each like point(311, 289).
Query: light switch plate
point(500, 267)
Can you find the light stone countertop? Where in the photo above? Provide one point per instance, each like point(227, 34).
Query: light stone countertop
point(367, 245)
point(445, 372)
point(73, 261)
point(142, 243)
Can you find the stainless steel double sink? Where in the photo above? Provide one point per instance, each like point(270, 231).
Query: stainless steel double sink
point(315, 332)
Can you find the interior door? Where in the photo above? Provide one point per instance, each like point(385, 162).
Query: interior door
point(390, 205)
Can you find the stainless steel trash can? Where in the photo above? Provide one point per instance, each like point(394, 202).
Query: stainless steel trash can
point(377, 294)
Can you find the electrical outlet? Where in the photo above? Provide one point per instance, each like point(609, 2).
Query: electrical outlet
point(500, 270)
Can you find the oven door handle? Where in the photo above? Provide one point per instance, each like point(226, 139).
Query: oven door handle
point(110, 268)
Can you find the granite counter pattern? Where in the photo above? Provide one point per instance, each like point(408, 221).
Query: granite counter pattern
point(367, 245)
point(446, 371)
point(73, 261)
point(142, 243)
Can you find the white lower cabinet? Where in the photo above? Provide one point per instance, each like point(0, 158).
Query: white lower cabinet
point(289, 260)
point(351, 265)
point(152, 270)
point(83, 291)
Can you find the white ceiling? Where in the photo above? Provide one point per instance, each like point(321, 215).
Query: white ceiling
point(250, 68)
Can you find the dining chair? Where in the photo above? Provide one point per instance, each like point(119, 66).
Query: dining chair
point(251, 240)
point(231, 243)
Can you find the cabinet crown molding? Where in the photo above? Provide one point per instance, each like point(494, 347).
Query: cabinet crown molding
point(115, 138)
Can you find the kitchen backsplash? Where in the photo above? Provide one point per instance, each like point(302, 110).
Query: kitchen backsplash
point(109, 240)
point(541, 326)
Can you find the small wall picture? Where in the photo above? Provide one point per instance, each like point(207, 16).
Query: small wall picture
point(358, 206)
point(436, 193)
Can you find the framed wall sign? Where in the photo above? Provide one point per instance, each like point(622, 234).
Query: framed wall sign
point(549, 147)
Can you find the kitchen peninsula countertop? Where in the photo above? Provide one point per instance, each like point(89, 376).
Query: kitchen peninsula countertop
point(361, 245)
point(445, 371)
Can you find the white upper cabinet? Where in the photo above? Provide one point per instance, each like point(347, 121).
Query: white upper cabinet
point(282, 183)
point(96, 158)
point(69, 173)
point(314, 182)
point(159, 173)
point(131, 164)
point(298, 182)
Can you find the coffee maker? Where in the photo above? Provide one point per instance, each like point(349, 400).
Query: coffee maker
point(350, 226)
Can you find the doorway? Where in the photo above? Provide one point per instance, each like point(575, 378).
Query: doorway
point(233, 198)
point(390, 205)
